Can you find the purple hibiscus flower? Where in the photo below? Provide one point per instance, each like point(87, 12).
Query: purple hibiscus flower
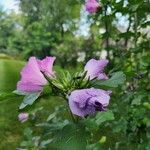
point(87, 101)
point(22, 117)
point(95, 69)
point(32, 78)
point(92, 6)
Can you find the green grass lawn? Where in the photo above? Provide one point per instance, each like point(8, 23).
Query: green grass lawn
point(10, 128)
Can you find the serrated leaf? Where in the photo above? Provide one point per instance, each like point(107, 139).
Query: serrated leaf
point(70, 138)
point(117, 79)
point(29, 99)
point(104, 116)
point(90, 124)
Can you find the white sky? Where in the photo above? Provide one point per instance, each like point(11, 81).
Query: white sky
point(10, 5)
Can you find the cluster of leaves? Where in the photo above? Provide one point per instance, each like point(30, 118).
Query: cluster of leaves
point(58, 132)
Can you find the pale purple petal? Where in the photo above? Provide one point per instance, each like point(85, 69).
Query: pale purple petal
point(32, 73)
point(46, 66)
point(75, 109)
point(77, 102)
point(102, 76)
point(103, 99)
point(87, 101)
point(95, 69)
point(80, 97)
point(102, 96)
point(28, 87)
point(32, 79)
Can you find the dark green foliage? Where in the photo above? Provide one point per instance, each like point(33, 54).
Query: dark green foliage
point(118, 78)
point(49, 27)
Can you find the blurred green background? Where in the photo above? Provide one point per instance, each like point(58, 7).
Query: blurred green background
point(120, 32)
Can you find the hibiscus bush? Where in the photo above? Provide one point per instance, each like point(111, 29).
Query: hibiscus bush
point(75, 75)
point(81, 92)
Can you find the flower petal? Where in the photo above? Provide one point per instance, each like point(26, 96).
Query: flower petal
point(92, 6)
point(46, 65)
point(95, 69)
point(22, 117)
point(83, 102)
point(31, 77)
point(28, 87)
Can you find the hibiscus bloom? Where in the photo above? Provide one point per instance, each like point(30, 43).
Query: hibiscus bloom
point(22, 117)
point(32, 78)
point(87, 101)
point(92, 6)
point(95, 69)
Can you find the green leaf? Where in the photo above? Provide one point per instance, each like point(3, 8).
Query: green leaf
point(134, 7)
point(90, 124)
point(137, 100)
point(71, 137)
point(95, 146)
point(44, 143)
point(28, 133)
point(51, 116)
point(103, 117)
point(19, 92)
point(29, 99)
point(117, 79)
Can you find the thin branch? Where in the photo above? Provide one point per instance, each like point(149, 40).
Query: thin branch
point(128, 29)
point(107, 31)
